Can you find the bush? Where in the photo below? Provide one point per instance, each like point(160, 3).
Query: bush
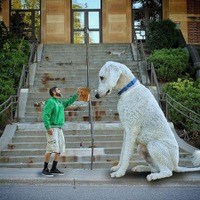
point(6, 88)
point(186, 92)
point(162, 34)
point(169, 63)
point(13, 56)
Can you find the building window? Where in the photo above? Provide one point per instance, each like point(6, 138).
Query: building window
point(86, 21)
point(25, 19)
point(194, 32)
point(144, 12)
point(193, 7)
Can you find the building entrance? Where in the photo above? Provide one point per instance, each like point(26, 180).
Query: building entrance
point(86, 21)
point(25, 19)
point(143, 13)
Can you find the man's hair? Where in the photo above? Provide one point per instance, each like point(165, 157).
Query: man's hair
point(52, 90)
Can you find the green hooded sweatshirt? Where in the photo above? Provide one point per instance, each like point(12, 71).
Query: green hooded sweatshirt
point(53, 114)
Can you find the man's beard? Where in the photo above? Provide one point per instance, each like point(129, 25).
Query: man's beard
point(58, 94)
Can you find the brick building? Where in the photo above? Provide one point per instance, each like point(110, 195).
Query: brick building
point(108, 21)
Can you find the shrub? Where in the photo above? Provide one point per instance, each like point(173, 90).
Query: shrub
point(186, 92)
point(169, 63)
point(162, 34)
point(7, 89)
point(13, 56)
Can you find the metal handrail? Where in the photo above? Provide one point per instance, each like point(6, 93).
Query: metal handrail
point(154, 81)
point(190, 114)
point(13, 100)
point(162, 97)
point(144, 59)
point(90, 101)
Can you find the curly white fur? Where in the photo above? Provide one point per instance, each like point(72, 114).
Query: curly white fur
point(196, 158)
point(144, 125)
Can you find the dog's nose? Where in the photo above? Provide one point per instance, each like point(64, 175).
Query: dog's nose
point(97, 96)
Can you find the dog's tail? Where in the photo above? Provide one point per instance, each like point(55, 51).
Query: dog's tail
point(195, 161)
point(196, 158)
point(187, 169)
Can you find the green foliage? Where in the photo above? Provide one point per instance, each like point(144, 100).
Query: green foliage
point(169, 63)
point(13, 56)
point(6, 88)
point(186, 92)
point(162, 34)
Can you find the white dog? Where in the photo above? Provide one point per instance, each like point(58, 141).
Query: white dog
point(144, 125)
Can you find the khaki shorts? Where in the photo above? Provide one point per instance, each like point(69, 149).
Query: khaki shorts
point(56, 141)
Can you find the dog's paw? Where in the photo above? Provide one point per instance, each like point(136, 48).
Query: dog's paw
point(141, 168)
point(114, 169)
point(155, 176)
point(150, 177)
point(117, 174)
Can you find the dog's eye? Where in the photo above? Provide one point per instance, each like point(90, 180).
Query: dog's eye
point(101, 78)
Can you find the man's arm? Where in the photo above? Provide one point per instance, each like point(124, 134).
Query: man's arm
point(47, 112)
point(71, 100)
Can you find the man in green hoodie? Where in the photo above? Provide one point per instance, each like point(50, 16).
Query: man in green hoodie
point(54, 118)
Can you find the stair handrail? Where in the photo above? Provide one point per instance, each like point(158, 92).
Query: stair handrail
point(13, 101)
point(190, 114)
point(141, 56)
point(90, 101)
point(166, 98)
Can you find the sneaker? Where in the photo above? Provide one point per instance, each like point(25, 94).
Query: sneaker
point(46, 172)
point(56, 172)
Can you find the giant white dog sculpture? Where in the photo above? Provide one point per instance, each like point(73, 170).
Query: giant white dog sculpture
point(144, 125)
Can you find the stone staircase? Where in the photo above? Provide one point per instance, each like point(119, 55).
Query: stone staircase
point(65, 67)
point(27, 147)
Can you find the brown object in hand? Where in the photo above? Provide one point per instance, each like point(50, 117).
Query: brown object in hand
point(84, 94)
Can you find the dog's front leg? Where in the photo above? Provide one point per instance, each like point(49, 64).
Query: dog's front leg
point(115, 168)
point(126, 153)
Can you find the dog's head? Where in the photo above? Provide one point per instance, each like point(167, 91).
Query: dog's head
point(108, 77)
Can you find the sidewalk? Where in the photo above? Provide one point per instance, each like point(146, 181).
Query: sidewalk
point(81, 177)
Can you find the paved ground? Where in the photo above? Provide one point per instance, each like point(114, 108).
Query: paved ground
point(77, 177)
point(106, 192)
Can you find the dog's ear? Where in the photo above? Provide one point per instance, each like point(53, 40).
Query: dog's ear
point(114, 75)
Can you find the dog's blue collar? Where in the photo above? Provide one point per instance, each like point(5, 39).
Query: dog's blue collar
point(127, 86)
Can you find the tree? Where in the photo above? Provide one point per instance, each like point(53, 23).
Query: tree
point(32, 4)
point(162, 34)
point(148, 3)
point(16, 4)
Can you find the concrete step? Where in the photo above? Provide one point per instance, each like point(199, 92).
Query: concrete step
point(76, 158)
point(70, 165)
point(71, 138)
point(74, 144)
point(79, 113)
point(70, 132)
point(32, 108)
point(83, 165)
point(27, 147)
point(29, 119)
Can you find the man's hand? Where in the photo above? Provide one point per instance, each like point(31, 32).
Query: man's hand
point(79, 91)
point(50, 131)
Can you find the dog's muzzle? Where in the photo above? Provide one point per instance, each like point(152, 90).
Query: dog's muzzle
point(97, 96)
